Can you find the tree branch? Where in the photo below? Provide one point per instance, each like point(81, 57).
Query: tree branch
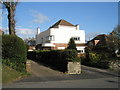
point(16, 2)
point(7, 4)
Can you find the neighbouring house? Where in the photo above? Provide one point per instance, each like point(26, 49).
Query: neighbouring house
point(31, 42)
point(100, 43)
point(58, 35)
point(99, 40)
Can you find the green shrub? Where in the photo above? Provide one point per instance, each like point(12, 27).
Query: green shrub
point(72, 44)
point(14, 52)
point(96, 59)
point(71, 55)
point(27, 46)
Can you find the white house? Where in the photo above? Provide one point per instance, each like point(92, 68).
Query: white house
point(58, 36)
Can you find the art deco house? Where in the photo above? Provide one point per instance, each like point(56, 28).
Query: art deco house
point(58, 36)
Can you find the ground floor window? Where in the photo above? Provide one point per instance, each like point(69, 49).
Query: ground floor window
point(80, 51)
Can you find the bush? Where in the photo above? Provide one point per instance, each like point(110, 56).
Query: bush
point(72, 44)
point(71, 55)
point(14, 52)
point(95, 59)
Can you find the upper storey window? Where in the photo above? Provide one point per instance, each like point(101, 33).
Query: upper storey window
point(76, 38)
point(50, 38)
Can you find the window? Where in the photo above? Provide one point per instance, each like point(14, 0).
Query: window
point(42, 40)
point(80, 51)
point(50, 38)
point(76, 38)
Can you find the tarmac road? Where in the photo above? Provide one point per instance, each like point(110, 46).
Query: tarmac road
point(45, 77)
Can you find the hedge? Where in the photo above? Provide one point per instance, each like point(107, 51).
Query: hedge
point(14, 52)
point(55, 58)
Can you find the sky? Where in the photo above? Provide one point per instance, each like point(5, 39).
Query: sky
point(93, 17)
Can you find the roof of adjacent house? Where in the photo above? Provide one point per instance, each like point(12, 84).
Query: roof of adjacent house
point(62, 22)
point(102, 37)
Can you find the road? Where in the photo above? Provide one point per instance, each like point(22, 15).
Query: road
point(45, 77)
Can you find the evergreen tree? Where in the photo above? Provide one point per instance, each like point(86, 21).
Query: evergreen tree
point(72, 44)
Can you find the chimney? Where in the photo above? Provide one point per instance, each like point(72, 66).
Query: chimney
point(38, 30)
point(77, 27)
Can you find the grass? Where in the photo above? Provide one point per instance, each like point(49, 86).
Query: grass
point(10, 75)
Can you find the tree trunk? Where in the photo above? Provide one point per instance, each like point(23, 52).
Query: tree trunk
point(11, 21)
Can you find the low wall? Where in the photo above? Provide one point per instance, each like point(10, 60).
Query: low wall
point(74, 68)
point(28, 66)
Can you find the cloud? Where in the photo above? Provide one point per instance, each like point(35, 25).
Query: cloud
point(25, 32)
point(38, 17)
point(21, 32)
point(30, 26)
point(5, 30)
point(18, 26)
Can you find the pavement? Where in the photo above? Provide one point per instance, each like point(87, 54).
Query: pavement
point(45, 77)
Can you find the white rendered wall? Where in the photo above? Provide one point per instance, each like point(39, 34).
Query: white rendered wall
point(64, 33)
point(42, 35)
point(81, 48)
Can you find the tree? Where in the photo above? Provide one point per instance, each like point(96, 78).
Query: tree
point(91, 35)
point(116, 32)
point(11, 7)
point(72, 44)
point(114, 39)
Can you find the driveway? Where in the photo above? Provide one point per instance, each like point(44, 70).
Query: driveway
point(45, 77)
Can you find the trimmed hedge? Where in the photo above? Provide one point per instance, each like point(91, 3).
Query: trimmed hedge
point(55, 58)
point(14, 52)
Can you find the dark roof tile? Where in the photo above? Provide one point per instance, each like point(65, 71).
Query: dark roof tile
point(62, 22)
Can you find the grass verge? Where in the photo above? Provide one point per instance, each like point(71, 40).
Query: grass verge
point(10, 75)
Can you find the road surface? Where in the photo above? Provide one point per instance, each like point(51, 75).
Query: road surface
point(45, 77)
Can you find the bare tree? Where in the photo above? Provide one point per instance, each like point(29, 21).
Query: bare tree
point(114, 39)
point(91, 35)
point(11, 7)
